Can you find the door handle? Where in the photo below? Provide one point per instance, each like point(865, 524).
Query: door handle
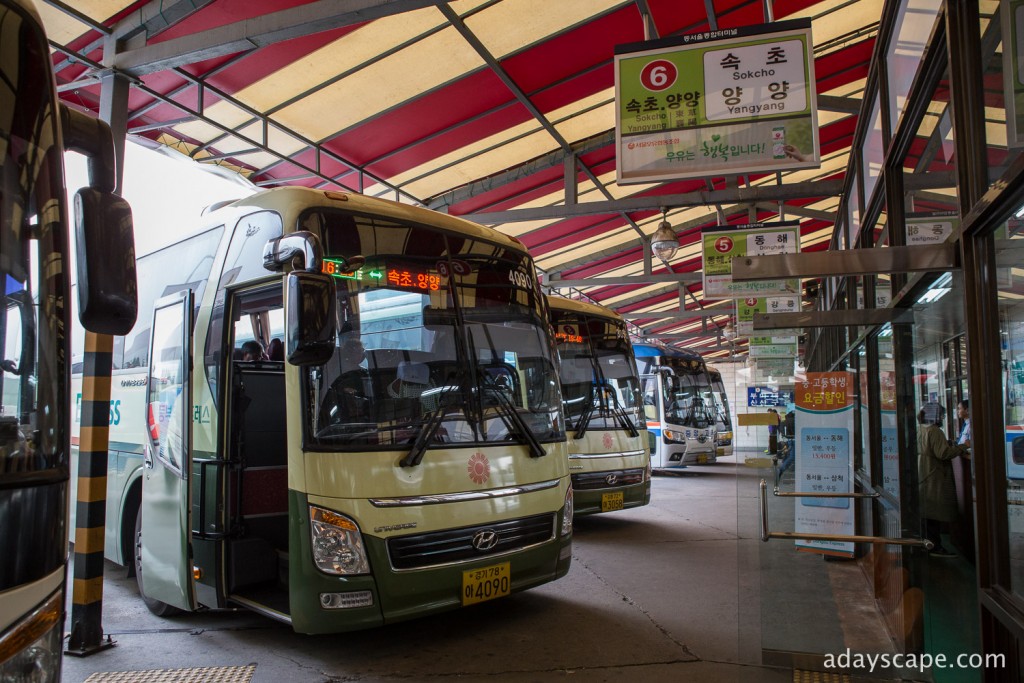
point(147, 457)
point(767, 535)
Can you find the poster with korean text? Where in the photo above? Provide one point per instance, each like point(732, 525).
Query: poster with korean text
point(824, 459)
point(738, 100)
point(722, 244)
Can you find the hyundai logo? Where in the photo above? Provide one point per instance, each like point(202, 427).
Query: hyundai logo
point(611, 479)
point(485, 540)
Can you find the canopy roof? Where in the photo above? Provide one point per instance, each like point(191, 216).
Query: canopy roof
point(469, 107)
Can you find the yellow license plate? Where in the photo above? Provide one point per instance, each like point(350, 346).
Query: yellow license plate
point(486, 583)
point(611, 501)
point(702, 458)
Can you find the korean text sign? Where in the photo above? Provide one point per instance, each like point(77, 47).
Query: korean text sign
point(729, 101)
point(720, 245)
point(824, 459)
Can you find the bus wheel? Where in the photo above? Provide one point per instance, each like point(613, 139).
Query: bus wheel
point(161, 609)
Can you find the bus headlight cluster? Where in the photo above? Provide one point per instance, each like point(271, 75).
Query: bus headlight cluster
point(30, 650)
point(674, 436)
point(567, 513)
point(337, 544)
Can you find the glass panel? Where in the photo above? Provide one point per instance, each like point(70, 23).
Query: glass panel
point(872, 152)
point(931, 152)
point(1009, 254)
point(1003, 57)
point(914, 25)
point(853, 213)
point(167, 377)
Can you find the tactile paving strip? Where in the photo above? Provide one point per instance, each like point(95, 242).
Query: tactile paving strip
point(801, 676)
point(209, 674)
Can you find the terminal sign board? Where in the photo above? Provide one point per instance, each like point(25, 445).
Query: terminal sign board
point(721, 244)
point(737, 100)
point(766, 397)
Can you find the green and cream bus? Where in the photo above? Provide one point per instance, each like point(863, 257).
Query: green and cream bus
point(393, 448)
point(608, 449)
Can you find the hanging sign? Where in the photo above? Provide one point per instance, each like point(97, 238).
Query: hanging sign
point(738, 100)
point(776, 368)
point(1013, 70)
point(824, 459)
point(931, 228)
point(720, 245)
point(746, 308)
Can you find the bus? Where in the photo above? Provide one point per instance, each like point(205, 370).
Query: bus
point(678, 405)
point(35, 264)
point(723, 416)
point(609, 459)
point(404, 455)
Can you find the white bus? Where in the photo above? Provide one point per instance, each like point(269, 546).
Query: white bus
point(723, 416)
point(608, 456)
point(383, 470)
point(679, 406)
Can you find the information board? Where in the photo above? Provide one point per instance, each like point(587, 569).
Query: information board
point(824, 459)
point(721, 244)
point(737, 100)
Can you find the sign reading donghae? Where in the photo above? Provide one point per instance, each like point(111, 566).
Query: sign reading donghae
point(730, 101)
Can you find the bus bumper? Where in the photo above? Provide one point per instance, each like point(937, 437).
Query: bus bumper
point(406, 594)
point(593, 501)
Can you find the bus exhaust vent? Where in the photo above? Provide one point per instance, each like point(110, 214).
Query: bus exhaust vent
point(469, 543)
point(208, 674)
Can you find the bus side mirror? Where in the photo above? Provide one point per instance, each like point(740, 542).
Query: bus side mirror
point(108, 301)
point(311, 325)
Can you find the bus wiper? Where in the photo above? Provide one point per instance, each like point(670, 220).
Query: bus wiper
point(433, 422)
point(586, 417)
point(623, 417)
point(509, 413)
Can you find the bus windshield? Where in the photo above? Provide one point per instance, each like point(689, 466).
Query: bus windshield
point(600, 387)
point(722, 399)
point(688, 399)
point(439, 333)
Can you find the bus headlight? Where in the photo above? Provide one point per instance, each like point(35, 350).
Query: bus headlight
point(337, 543)
point(674, 436)
point(30, 650)
point(567, 513)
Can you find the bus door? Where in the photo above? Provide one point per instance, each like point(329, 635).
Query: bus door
point(165, 568)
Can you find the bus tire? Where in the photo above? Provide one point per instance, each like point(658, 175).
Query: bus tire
point(161, 609)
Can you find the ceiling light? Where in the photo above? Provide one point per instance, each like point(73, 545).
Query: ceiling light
point(664, 242)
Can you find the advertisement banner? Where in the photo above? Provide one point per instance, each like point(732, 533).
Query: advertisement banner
point(738, 100)
point(824, 459)
point(766, 397)
point(721, 244)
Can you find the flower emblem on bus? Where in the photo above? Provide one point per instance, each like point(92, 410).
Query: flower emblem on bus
point(606, 440)
point(479, 468)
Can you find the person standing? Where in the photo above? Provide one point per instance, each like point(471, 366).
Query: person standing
point(935, 467)
point(963, 413)
point(773, 432)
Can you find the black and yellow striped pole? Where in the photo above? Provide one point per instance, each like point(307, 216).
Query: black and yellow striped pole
point(90, 512)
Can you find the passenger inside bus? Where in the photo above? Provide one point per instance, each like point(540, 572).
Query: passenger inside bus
point(253, 350)
point(276, 349)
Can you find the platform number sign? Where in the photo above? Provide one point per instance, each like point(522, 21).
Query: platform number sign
point(739, 100)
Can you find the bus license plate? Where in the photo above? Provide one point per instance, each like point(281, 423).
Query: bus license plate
point(702, 459)
point(486, 583)
point(612, 501)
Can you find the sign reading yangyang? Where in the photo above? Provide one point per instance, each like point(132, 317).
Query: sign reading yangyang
point(734, 100)
point(720, 245)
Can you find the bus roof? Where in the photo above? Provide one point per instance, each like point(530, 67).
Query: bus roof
point(563, 304)
point(281, 198)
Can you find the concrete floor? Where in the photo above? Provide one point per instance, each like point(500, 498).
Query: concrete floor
point(654, 594)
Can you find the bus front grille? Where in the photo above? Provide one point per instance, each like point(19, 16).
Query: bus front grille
point(604, 480)
point(469, 543)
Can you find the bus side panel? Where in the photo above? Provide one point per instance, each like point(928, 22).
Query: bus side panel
point(36, 542)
